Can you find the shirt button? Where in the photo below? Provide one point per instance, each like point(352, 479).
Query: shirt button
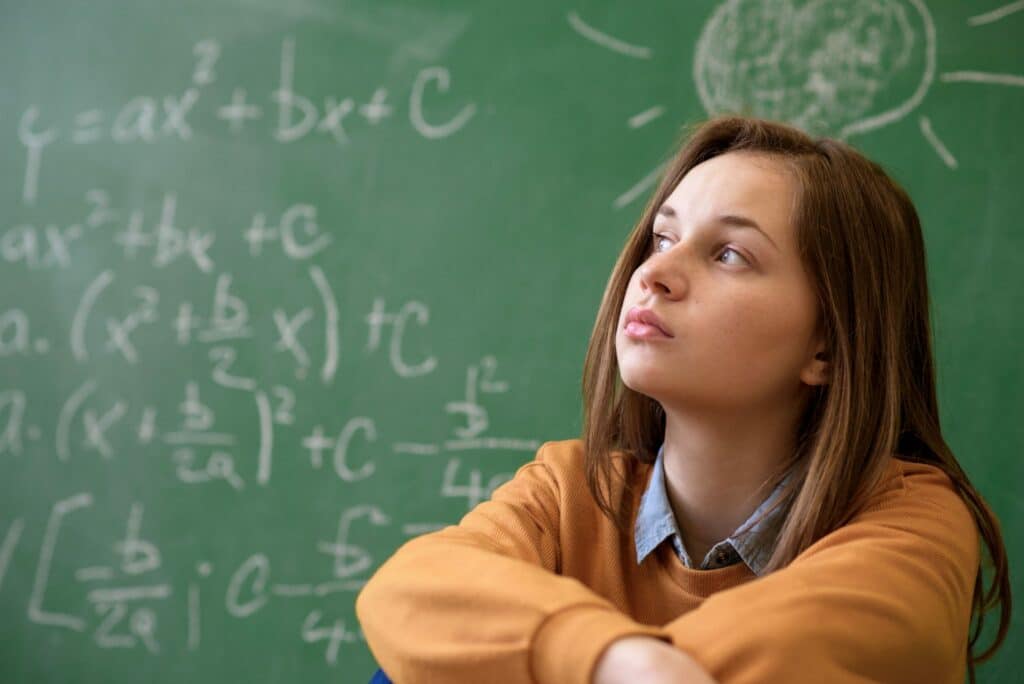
point(722, 557)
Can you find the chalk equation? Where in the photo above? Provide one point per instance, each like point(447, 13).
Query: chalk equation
point(166, 368)
point(127, 595)
point(151, 118)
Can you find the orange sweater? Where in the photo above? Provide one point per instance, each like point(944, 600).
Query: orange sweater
point(534, 584)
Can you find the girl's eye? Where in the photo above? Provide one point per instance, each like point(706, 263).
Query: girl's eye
point(657, 247)
point(730, 249)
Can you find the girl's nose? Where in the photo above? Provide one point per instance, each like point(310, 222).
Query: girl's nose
point(662, 276)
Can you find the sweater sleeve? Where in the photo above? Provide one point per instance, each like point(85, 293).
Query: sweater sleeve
point(886, 597)
point(482, 600)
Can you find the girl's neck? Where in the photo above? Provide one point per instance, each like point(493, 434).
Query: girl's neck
point(719, 470)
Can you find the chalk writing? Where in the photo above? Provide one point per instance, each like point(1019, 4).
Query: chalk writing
point(204, 365)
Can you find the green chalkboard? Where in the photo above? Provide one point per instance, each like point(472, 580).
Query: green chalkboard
point(283, 284)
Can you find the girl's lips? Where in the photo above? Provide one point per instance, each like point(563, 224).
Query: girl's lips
point(647, 318)
point(643, 331)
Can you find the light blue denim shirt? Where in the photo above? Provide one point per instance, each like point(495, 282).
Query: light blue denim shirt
point(655, 522)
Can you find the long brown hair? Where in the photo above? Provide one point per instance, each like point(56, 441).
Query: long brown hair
point(860, 241)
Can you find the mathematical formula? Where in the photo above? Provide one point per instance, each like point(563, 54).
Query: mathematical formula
point(155, 289)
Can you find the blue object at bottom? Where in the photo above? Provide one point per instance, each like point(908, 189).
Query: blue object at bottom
point(380, 678)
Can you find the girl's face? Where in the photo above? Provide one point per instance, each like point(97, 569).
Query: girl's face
point(737, 308)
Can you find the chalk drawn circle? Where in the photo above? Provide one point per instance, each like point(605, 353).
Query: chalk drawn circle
point(822, 66)
point(204, 568)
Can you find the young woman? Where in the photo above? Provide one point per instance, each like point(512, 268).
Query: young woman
point(761, 492)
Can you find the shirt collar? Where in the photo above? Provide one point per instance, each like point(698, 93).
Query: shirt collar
point(655, 522)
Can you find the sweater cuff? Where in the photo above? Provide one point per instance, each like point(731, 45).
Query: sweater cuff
point(567, 646)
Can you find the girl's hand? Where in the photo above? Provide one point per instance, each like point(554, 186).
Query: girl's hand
point(630, 660)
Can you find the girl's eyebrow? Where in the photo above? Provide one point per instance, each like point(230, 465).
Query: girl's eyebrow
point(727, 219)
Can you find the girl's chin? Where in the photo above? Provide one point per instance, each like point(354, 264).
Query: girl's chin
point(648, 382)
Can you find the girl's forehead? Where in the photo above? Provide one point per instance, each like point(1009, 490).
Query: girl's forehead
point(734, 183)
point(736, 174)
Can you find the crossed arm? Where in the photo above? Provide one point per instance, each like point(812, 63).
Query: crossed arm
point(875, 600)
point(643, 659)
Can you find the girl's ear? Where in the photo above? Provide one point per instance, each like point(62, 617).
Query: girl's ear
point(818, 369)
